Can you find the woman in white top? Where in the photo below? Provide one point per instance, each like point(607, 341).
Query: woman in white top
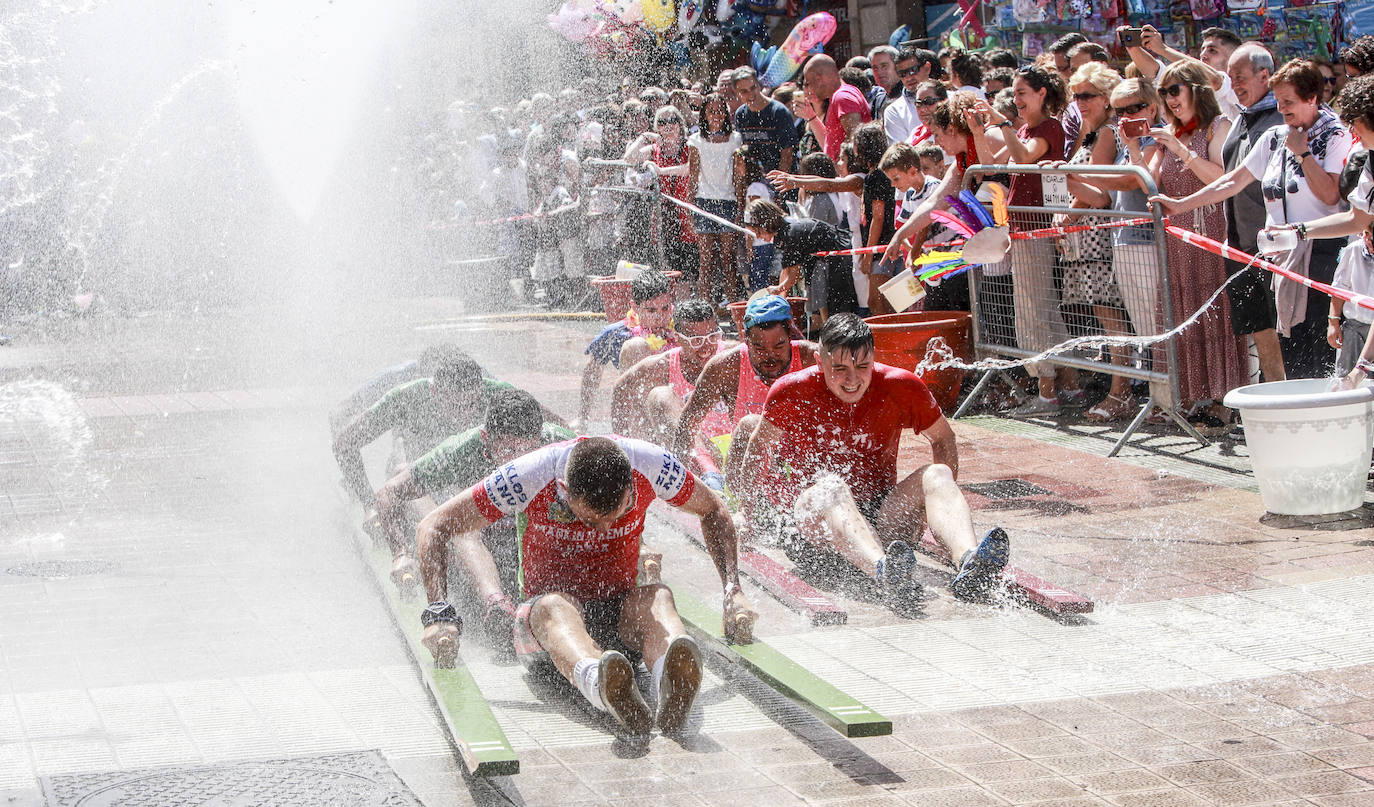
point(711, 154)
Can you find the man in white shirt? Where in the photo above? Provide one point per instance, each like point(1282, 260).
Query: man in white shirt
point(900, 118)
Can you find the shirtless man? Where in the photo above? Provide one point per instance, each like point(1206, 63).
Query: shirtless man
point(738, 381)
point(646, 330)
point(824, 459)
point(514, 426)
point(647, 401)
point(585, 501)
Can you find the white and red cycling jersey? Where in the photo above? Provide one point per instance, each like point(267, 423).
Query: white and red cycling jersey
point(557, 551)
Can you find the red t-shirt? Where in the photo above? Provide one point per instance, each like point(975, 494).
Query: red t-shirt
point(846, 100)
point(857, 441)
point(560, 553)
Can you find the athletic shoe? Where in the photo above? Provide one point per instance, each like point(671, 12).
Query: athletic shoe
point(620, 693)
point(900, 590)
point(1036, 407)
point(680, 684)
point(715, 480)
point(979, 568)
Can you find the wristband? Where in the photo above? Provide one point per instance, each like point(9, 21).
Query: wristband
point(440, 611)
point(1007, 124)
point(1333, 318)
point(1304, 155)
point(1301, 229)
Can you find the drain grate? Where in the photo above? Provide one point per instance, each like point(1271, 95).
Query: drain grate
point(61, 569)
point(1006, 489)
point(354, 779)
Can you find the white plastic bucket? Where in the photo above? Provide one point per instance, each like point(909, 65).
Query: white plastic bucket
point(903, 290)
point(1309, 448)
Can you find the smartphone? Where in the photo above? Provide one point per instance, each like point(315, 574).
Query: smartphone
point(1131, 37)
point(1135, 127)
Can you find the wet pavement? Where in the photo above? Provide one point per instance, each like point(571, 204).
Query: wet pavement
point(178, 587)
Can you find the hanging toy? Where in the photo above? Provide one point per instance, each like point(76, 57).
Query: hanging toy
point(725, 9)
point(659, 15)
point(688, 15)
point(780, 63)
point(902, 34)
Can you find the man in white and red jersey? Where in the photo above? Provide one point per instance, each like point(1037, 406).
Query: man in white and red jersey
point(824, 458)
point(584, 501)
point(647, 401)
point(738, 380)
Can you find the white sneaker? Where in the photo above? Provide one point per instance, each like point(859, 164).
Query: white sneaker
point(620, 693)
point(1036, 407)
point(681, 682)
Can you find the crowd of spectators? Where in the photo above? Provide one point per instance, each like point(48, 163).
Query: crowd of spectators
point(860, 155)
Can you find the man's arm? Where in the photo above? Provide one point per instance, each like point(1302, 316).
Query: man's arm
point(348, 446)
point(851, 122)
point(761, 447)
point(718, 533)
point(785, 160)
point(391, 501)
point(630, 390)
point(710, 388)
point(458, 518)
point(942, 445)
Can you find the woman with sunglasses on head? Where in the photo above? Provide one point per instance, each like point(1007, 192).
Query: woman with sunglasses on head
point(1087, 257)
point(1298, 165)
point(1040, 96)
point(1211, 358)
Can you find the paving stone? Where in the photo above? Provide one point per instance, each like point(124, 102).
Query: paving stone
point(1111, 782)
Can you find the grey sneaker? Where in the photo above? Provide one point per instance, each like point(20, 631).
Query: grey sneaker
point(1036, 407)
point(620, 692)
point(981, 566)
point(902, 593)
point(680, 684)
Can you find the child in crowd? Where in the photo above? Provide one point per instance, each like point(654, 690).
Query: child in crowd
point(1347, 325)
point(908, 168)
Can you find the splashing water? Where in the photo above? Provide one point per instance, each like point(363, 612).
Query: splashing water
point(45, 419)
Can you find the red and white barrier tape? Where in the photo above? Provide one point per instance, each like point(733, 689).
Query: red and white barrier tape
point(1203, 242)
point(1046, 232)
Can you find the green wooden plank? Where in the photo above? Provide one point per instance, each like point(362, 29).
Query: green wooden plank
point(481, 740)
point(833, 707)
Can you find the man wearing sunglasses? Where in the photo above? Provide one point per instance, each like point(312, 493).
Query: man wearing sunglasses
point(901, 118)
point(647, 401)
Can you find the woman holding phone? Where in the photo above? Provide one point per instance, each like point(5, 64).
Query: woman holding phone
point(1211, 358)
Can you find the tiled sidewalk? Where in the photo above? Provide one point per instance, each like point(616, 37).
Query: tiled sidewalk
point(1230, 661)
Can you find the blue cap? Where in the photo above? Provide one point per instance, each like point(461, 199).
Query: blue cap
point(766, 309)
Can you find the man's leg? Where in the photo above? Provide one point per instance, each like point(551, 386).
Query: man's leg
point(649, 623)
point(605, 679)
point(634, 349)
point(931, 496)
point(1270, 354)
point(826, 513)
point(662, 408)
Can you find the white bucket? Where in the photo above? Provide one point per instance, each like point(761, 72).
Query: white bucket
point(903, 291)
point(624, 270)
point(1309, 448)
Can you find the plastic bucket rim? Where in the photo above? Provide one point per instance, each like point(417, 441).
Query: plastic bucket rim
point(1251, 397)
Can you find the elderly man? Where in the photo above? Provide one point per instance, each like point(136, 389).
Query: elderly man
point(883, 61)
point(843, 107)
point(1251, 295)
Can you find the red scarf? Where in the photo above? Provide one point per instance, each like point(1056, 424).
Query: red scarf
point(1183, 131)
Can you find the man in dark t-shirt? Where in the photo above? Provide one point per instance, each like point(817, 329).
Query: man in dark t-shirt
point(769, 132)
point(829, 283)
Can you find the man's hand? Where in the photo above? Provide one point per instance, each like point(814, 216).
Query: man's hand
point(405, 573)
point(740, 616)
point(1333, 332)
point(894, 250)
point(1151, 39)
point(441, 639)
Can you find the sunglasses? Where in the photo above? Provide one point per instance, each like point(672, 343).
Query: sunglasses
point(1131, 109)
point(1330, 80)
point(701, 341)
point(1085, 97)
point(1173, 90)
point(907, 71)
point(931, 101)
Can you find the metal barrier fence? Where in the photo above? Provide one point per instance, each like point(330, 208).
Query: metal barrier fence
point(637, 214)
point(1110, 280)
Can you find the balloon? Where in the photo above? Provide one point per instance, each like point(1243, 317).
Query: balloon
point(574, 23)
point(725, 9)
point(807, 37)
point(688, 15)
point(902, 34)
point(659, 15)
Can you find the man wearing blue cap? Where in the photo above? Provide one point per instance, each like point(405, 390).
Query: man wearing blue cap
point(738, 380)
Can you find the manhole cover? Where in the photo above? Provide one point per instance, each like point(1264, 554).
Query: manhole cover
point(62, 568)
point(1006, 489)
point(353, 779)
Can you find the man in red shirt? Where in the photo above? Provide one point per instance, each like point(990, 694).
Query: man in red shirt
point(584, 501)
point(825, 463)
point(844, 106)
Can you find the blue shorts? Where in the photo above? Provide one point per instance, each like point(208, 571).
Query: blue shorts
point(725, 208)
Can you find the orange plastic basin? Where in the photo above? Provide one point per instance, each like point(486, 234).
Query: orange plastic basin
point(901, 340)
